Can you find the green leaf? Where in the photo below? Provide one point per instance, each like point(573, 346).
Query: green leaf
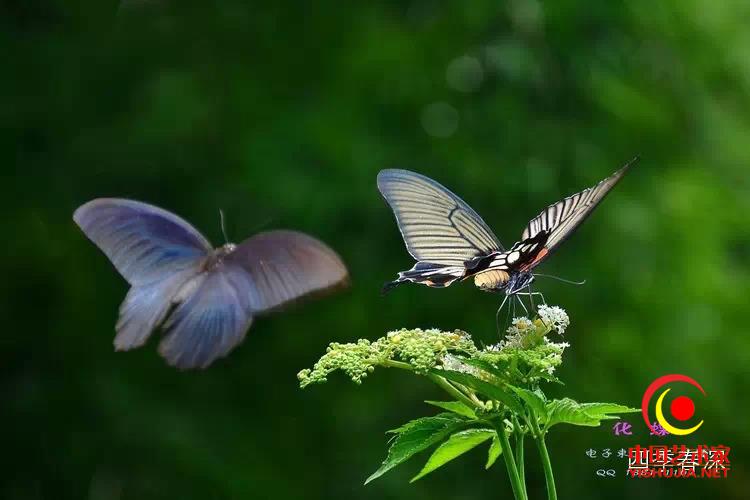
point(454, 406)
point(535, 402)
point(567, 411)
point(494, 452)
point(458, 444)
point(549, 378)
point(416, 436)
point(489, 390)
point(596, 409)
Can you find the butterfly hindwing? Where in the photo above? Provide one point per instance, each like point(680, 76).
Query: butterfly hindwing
point(145, 307)
point(211, 319)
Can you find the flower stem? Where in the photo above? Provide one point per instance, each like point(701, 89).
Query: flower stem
point(453, 391)
point(510, 463)
point(389, 363)
point(546, 464)
point(469, 400)
point(519, 454)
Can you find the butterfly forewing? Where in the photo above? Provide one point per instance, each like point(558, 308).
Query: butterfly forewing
point(143, 242)
point(561, 219)
point(437, 226)
point(287, 265)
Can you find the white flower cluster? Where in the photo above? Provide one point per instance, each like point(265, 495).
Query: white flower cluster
point(554, 317)
point(518, 332)
point(453, 363)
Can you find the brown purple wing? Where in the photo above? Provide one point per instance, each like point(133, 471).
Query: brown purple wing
point(287, 265)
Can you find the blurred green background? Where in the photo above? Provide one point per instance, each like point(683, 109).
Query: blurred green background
point(281, 114)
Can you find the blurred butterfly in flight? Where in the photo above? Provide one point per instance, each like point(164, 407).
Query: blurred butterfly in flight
point(451, 242)
point(204, 298)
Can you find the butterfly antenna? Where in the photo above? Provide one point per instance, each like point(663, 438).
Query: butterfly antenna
point(570, 282)
point(223, 228)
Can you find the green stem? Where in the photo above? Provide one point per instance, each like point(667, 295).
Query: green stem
point(546, 464)
point(519, 486)
point(451, 389)
point(389, 363)
point(510, 463)
point(519, 454)
point(470, 401)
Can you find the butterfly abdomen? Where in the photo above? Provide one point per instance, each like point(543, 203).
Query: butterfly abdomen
point(493, 279)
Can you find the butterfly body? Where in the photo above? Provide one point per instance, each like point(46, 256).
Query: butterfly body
point(218, 255)
point(451, 242)
point(203, 298)
point(500, 271)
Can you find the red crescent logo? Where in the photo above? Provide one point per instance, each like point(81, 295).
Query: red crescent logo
point(656, 384)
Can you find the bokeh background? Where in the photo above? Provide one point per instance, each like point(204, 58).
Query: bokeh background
point(281, 114)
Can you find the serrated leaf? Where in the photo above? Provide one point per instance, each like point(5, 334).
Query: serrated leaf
point(416, 436)
point(454, 406)
point(494, 452)
point(595, 409)
point(483, 387)
point(456, 445)
point(567, 411)
point(550, 378)
point(535, 402)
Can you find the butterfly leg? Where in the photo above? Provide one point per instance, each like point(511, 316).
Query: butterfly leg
point(497, 315)
point(531, 298)
point(522, 305)
point(534, 293)
point(508, 319)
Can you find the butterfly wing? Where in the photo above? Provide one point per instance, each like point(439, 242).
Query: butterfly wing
point(143, 242)
point(156, 251)
point(561, 219)
point(437, 226)
point(287, 265)
point(264, 272)
point(145, 307)
point(212, 317)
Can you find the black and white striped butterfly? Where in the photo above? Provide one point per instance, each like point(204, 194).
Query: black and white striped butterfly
point(204, 299)
point(451, 242)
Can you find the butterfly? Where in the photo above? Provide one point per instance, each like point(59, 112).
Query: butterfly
point(451, 242)
point(203, 298)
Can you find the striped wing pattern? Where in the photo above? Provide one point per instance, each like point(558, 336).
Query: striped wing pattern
point(437, 226)
point(561, 219)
